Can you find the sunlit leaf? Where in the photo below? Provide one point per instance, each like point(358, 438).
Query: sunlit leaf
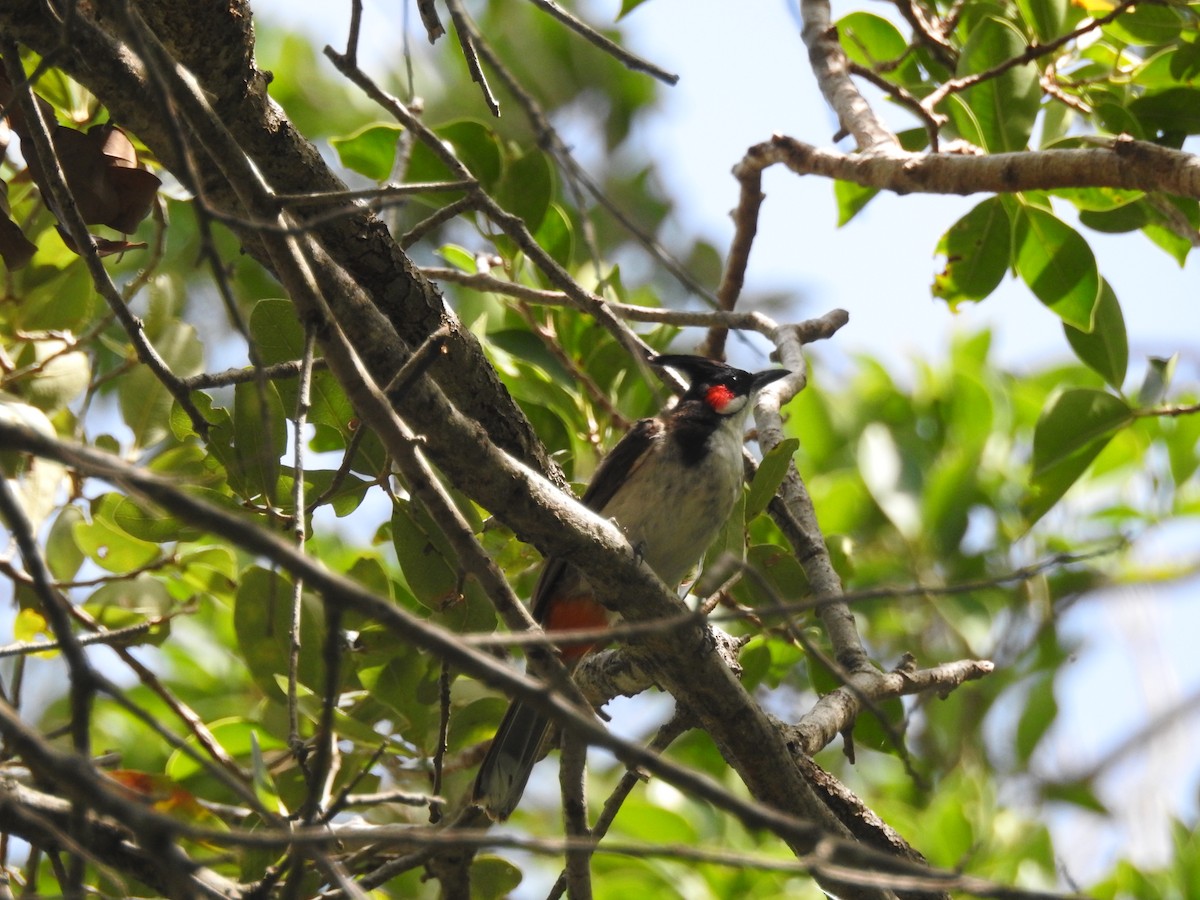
point(771, 472)
point(370, 151)
point(1106, 349)
point(527, 188)
point(1003, 108)
point(1058, 265)
point(259, 437)
point(976, 249)
point(262, 617)
point(1072, 421)
point(1046, 16)
point(851, 199)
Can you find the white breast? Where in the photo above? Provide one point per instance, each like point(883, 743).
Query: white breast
point(671, 512)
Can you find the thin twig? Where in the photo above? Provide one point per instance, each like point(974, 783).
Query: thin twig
point(745, 227)
point(458, 17)
point(289, 369)
point(113, 636)
point(663, 738)
point(356, 11)
point(572, 777)
point(429, 18)
point(303, 391)
point(387, 192)
point(613, 49)
point(1033, 51)
point(550, 141)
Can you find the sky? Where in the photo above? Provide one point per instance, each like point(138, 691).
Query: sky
point(743, 76)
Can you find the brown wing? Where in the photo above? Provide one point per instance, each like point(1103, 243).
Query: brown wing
point(610, 475)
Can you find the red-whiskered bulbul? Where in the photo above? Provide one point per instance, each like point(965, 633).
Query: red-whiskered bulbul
point(670, 484)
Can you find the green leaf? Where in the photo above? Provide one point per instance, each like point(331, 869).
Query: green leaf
point(59, 380)
point(212, 570)
point(556, 236)
point(1077, 793)
point(851, 199)
point(977, 249)
point(872, 40)
point(1036, 718)
point(491, 876)
point(1003, 109)
point(882, 468)
point(731, 539)
point(407, 684)
point(145, 522)
point(870, 731)
point(370, 151)
point(950, 490)
point(264, 783)
point(259, 438)
point(29, 626)
point(1106, 349)
point(1182, 436)
point(130, 602)
point(107, 545)
point(1099, 199)
point(236, 734)
point(1048, 487)
point(476, 146)
point(1146, 25)
point(1175, 244)
point(1047, 17)
point(1120, 220)
point(277, 332)
point(1184, 63)
point(641, 820)
point(459, 257)
point(145, 402)
point(262, 617)
point(1058, 266)
point(1172, 111)
point(421, 553)
point(1070, 434)
point(65, 300)
point(279, 337)
point(771, 472)
point(785, 581)
point(627, 6)
point(526, 189)
point(1072, 421)
point(63, 555)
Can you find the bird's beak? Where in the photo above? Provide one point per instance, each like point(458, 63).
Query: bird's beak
point(762, 379)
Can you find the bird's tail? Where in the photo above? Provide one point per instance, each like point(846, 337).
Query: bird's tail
point(505, 770)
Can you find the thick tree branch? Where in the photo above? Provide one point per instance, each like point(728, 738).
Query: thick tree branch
point(215, 42)
point(1123, 163)
point(749, 739)
point(832, 69)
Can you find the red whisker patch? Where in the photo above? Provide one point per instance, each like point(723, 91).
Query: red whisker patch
point(718, 397)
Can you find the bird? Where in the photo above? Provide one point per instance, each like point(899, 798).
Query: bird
point(670, 484)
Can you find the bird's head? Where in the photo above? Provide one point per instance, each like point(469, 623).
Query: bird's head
point(722, 388)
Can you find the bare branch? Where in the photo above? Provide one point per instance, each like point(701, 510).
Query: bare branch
point(1032, 52)
point(1122, 163)
point(830, 66)
point(466, 40)
point(613, 49)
